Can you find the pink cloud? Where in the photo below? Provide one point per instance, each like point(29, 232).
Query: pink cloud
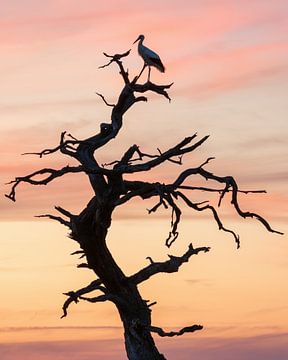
point(210, 49)
point(225, 70)
point(189, 21)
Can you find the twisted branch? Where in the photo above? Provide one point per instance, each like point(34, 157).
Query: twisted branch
point(100, 298)
point(187, 329)
point(117, 58)
point(230, 184)
point(175, 220)
point(159, 89)
point(177, 150)
point(167, 192)
point(65, 146)
point(169, 266)
point(127, 158)
point(214, 212)
point(104, 100)
point(74, 296)
point(51, 175)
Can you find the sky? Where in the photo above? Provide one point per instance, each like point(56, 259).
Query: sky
point(228, 62)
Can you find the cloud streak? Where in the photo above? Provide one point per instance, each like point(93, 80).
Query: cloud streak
point(265, 347)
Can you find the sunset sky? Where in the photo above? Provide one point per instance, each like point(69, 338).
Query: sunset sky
point(228, 60)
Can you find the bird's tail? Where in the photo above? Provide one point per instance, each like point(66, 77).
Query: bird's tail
point(158, 64)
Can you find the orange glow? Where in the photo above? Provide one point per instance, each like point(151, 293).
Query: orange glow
point(228, 62)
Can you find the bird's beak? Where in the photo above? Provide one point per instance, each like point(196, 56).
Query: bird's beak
point(136, 40)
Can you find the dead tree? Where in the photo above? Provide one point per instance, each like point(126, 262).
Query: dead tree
point(111, 189)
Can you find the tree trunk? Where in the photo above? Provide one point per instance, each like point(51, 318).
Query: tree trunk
point(90, 230)
point(136, 319)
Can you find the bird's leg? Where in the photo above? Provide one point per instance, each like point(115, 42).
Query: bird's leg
point(149, 71)
point(144, 66)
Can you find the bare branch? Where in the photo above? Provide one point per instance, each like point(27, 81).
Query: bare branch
point(152, 304)
point(246, 214)
point(73, 137)
point(178, 161)
point(155, 207)
point(103, 98)
point(230, 182)
point(57, 218)
point(187, 329)
point(65, 146)
point(126, 158)
point(220, 191)
point(222, 194)
point(51, 174)
point(169, 266)
point(138, 188)
point(83, 266)
point(159, 89)
point(73, 296)
point(173, 235)
point(207, 161)
point(150, 259)
point(214, 212)
point(64, 212)
point(117, 58)
point(146, 190)
point(79, 252)
point(100, 298)
point(177, 150)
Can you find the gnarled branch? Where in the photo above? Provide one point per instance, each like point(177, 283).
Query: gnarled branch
point(100, 298)
point(127, 158)
point(65, 146)
point(149, 86)
point(178, 150)
point(117, 58)
point(167, 192)
point(56, 218)
point(169, 266)
point(230, 183)
point(104, 100)
point(214, 212)
point(73, 296)
point(50, 174)
point(187, 329)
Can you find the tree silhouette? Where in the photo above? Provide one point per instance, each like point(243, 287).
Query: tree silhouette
point(111, 189)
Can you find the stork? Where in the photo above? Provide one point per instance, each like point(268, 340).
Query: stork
point(150, 57)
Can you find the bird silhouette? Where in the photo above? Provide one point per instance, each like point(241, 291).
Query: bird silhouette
point(150, 57)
